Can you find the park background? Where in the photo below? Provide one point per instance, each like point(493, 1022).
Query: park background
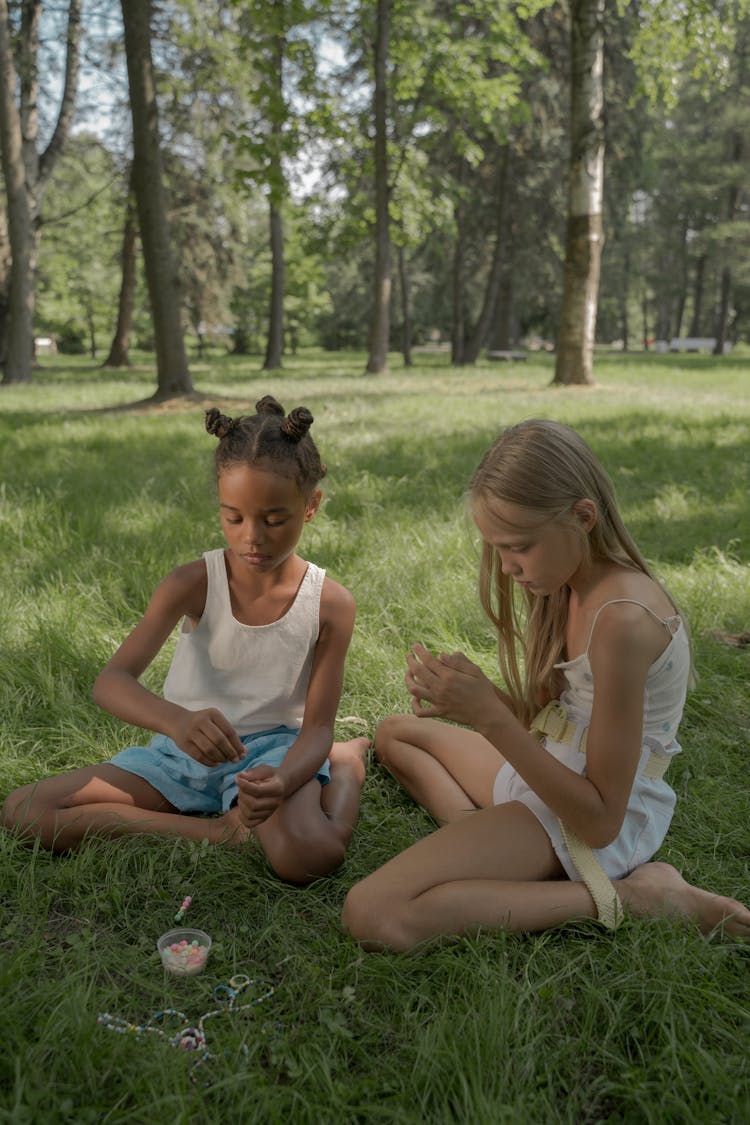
point(106, 485)
point(373, 174)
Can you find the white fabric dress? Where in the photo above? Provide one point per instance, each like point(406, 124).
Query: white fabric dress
point(651, 801)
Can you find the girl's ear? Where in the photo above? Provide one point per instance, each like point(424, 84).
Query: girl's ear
point(313, 504)
point(585, 511)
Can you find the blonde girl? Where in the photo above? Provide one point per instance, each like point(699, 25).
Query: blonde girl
point(552, 791)
point(244, 727)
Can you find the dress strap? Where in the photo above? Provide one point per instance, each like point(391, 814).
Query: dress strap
point(665, 621)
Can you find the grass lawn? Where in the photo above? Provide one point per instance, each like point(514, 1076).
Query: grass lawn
point(651, 1024)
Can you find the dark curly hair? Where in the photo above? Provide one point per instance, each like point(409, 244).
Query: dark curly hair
point(271, 436)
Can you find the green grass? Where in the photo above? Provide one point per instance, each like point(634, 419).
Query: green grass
point(649, 1025)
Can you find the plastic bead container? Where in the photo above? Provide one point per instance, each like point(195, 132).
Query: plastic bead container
point(184, 952)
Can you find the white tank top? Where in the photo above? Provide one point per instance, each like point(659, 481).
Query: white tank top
point(256, 675)
point(665, 690)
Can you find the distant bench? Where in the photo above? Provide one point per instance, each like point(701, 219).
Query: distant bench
point(694, 344)
point(507, 355)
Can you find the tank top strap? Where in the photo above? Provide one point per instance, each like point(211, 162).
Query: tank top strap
point(217, 592)
point(665, 621)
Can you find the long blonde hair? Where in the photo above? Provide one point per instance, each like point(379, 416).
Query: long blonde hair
point(545, 467)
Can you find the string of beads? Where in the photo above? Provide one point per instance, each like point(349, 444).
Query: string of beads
point(193, 1038)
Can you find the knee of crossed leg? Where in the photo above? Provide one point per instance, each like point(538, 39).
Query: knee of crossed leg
point(304, 859)
point(390, 731)
point(16, 810)
point(372, 921)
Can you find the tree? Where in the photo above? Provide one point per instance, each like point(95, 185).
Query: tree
point(736, 173)
point(173, 376)
point(377, 360)
point(76, 281)
point(26, 172)
point(583, 238)
point(285, 93)
point(119, 349)
point(5, 264)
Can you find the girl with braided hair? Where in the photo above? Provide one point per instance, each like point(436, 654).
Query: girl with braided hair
point(244, 727)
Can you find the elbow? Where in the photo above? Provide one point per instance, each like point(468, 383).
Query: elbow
point(602, 831)
point(99, 690)
point(96, 691)
point(599, 839)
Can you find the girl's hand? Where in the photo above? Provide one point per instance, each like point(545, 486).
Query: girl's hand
point(208, 737)
point(448, 687)
point(261, 790)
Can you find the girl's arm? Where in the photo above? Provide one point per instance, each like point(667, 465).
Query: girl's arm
point(263, 787)
point(315, 739)
point(625, 644)
point(205, 735)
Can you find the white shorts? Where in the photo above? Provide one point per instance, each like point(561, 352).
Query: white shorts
point(648, 815)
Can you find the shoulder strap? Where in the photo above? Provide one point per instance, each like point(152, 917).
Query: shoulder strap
point(630, 601)
point(217, 591)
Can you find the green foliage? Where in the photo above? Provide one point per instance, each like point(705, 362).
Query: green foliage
point(697, 36)
point(466, 83)
point(78, 265)
point(646, 1025)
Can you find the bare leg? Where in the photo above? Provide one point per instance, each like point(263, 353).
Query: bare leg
point(308, 834)
point(658, 890)
point(339, 799)
point(448, 770)
point(497, 870)
point(106, 800)
point(493, 870)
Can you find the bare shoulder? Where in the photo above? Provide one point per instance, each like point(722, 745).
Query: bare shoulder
point(630, 625)
point(337, 609)
point(184, 589)
point(335, 597)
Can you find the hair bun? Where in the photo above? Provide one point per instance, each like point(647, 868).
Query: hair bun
point(269, 405)
point(218, 424)
point(297, 423)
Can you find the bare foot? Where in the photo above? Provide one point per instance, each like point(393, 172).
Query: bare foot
point(658, 890)
point(351, 756)
point(229, 829)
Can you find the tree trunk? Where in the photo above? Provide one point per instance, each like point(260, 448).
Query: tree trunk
point(377, 361)
point(91, 327)
point(681, 299)
point(25, 172)
point(479, 336)
point(405, 310)
point(624, 320)
point(275, 342)
point(504, 328)
point(584, 234)
point(700, 272)
point(458, 304)
point(120, 346)
point(20, 319)
point(277, 192)
point(722, 318)
point(733, 201)
point(173, 376)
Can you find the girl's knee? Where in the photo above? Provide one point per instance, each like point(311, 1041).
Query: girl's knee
point(374, 921)
point(303, 859)
point(16, 811)
point(390, 731)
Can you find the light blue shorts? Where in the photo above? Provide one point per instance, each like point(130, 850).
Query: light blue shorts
point(192, 787)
